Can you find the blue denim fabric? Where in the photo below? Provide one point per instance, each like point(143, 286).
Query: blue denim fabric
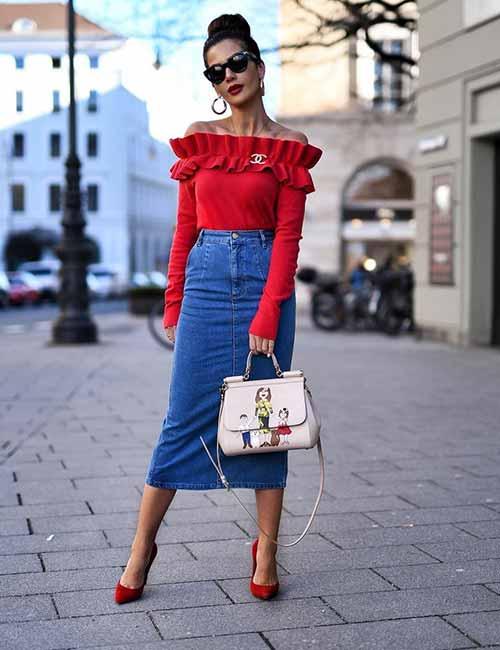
point(225, 274)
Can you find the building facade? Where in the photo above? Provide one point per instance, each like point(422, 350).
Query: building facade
point(129, 200)
point(458, 172)
point(355, 108)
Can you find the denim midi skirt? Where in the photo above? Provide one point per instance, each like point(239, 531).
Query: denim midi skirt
point(226, 271)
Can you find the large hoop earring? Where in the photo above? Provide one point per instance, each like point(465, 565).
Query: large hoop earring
point(262, 88)
point(213, 105)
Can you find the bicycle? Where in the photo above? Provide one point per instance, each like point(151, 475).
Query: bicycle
point(155, 324)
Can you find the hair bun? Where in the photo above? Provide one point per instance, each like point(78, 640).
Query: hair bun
point(229, 22)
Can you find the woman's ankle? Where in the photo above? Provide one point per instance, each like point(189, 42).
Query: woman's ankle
point(142, 548)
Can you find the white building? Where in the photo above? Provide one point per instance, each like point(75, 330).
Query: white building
point(129, 201)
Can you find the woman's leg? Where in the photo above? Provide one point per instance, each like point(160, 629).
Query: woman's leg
point(154, 504)
point(269, 506)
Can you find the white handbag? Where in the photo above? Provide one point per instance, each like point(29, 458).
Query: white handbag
point(260, 416)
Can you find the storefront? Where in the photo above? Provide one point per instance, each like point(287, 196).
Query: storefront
point(458, 174)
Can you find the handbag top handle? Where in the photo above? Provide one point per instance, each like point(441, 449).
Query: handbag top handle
point(246, 374)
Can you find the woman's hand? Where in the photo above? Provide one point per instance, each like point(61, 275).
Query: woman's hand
point(170, 332)
point(259, 344)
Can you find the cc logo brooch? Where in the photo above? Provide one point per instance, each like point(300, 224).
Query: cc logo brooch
point(258, 158)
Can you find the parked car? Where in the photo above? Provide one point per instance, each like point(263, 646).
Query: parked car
point(22, 290)
point(105, 282)
point(47, 276)
point(140, 279)
point(158, 278)
point(4, 289)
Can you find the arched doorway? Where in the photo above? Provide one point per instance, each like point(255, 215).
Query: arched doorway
point(377, 213)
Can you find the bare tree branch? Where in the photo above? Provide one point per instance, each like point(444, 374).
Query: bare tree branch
point(359, 16)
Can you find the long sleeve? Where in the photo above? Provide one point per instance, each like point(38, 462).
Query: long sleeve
point(184, 237)
point(280, 282)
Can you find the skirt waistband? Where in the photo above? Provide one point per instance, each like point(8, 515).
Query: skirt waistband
point(265, 235)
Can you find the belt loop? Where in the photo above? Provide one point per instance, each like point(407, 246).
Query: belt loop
point(262, 238)
point(200, 237)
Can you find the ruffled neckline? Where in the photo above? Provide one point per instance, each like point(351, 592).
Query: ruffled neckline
point(290, 160)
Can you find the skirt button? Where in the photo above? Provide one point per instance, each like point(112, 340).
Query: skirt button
point(234, 235)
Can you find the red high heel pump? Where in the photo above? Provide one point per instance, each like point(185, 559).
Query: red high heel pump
point(127, 594)
point(261, 591)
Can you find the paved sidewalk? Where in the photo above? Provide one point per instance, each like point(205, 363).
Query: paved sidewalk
point(404, 552)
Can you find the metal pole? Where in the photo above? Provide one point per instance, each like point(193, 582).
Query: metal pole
point(74, 324)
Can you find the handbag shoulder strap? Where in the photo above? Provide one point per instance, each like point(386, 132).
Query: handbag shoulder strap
point(229, 488)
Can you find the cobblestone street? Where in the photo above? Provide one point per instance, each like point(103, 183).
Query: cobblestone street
point(403, 553)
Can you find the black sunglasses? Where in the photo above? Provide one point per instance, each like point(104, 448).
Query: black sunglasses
point(237, 63)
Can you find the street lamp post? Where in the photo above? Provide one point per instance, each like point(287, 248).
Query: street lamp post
point(74, 324)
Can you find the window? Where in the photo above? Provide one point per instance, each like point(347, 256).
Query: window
point(55, 145)
point(94, 61)
point(54, 198)
point(92, 145)
point(19, 62)
point(92, 103)
point(92, 198)
point(19, 101)
point(389, 91)
point(17, 197)
point(396, 84)
point(56, 61)
point(18, 145)
point(56, 101)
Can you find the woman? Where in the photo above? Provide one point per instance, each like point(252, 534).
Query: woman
point(243, 182)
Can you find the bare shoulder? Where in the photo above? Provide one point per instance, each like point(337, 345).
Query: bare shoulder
point(195, 127)
point(290, 134)
point(208, 126)
point(284, 133)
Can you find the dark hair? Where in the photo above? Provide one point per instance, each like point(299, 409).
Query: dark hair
point(230, 26)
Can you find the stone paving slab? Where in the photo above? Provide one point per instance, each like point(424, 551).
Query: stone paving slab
point(97, 602)
point(409, 603)
point(50, 582)
point(246, 617)
point(463, 550)
point(397, 535)
point(251, 641)
point(434, 516)
point(20, 563)
point(312, 543)
point(489, 529)
point(320, 583)
point(27, 608)
point(60, 542)
point(430, 633)
point(189, 533)
point(78, 632)
point(398, 555)
point(403, 552)
point(104, 557)
point(483, 628)
point(442, 574)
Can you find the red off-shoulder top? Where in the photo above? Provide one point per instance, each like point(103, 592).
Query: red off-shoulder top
point(240, 182)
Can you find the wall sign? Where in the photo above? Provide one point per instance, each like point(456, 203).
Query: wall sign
point(441, 231)
point(433, 143)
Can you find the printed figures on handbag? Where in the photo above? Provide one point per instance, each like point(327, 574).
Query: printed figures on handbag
point(263, 410)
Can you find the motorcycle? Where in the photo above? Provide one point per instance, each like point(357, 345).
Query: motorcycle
point(384, 302)
point(327, 302)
